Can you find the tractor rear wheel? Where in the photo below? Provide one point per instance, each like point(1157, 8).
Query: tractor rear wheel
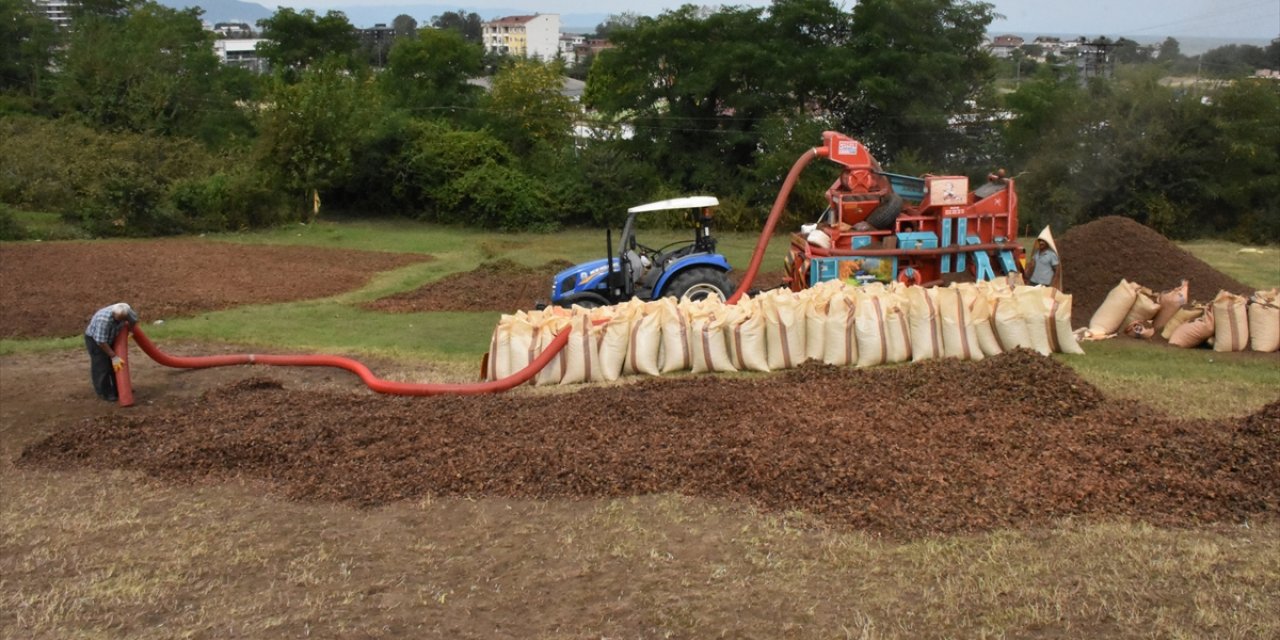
point(699, 284)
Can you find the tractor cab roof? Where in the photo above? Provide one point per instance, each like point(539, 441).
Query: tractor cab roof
point(689, 202)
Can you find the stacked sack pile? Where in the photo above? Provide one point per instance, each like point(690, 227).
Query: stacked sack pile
point(833, 323)
point(1230, 323)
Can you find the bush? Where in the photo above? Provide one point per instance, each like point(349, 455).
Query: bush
point(495, 196)
point(126, 184)
point(10, 229)
point(235, 199)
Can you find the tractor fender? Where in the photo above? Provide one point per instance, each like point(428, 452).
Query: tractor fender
point(715, 261)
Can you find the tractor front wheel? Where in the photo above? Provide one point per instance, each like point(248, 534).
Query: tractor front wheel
point(699, 284)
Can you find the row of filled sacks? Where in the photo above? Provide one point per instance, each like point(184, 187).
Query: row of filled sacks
point(1230, 323)
point(833, 323)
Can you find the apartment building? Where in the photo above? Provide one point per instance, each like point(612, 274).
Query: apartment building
point(58, 11)
point(536, 36)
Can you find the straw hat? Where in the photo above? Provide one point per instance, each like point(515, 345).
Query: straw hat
point(1047, 236)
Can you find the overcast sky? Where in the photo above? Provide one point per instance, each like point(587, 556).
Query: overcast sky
point(1152, 18)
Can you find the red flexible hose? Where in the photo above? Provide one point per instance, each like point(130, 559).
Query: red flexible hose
point(124, 387)
point(779, 204)
point(375, 383)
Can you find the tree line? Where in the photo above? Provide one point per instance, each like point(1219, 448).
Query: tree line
point(127, 123)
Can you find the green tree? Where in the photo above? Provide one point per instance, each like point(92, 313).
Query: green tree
point(430, 72)
point(1130, 147)
point(916, 64)
point(1233, 61)
point(470, 25)
point(296, 40)
point(405, 26)
point(624, 20)
point(31, 39)
point(1245, 151)
point(151, 70)
point(528, 106)
point(310, 129)
point(1170, 51)
point(696, 85)
point(471, 177)
point(1126, 51)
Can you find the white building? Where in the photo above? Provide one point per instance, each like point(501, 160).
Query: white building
point(536, 36)
point(240, 52)
point(57, 11)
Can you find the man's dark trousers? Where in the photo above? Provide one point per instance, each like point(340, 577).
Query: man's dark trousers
point(104, 377)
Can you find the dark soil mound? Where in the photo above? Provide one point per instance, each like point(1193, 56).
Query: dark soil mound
point(52, 288)
point(500, 285)
point(1097, 255)
point(902, 450)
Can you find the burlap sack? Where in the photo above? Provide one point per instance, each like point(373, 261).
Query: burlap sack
point(546, 325)
point(1193, 333)
point(784, 329)
point(1011, 329)
point(582, 353)
point(644, 340)
point(882, 331)
point(924, 323)
point(1264, 321)
point(1060, 313)
point(1170, 301)
point(1230, 322)
point(1183, 315)
point(748, 344)
point(1034, 306)
point(499, 365)
point(676, 355)
point(708, 344)
point(840, 344)
point(1107, 319)
point(959, 338)
point(615, 337)
point(1145, 307)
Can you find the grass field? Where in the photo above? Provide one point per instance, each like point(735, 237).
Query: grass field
point(90, 554)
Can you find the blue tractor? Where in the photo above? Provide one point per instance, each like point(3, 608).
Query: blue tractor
point(682, 269)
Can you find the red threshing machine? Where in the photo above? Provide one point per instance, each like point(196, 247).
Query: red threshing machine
point(882, 227)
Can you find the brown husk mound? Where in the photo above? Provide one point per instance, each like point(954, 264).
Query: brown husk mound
point(1098, 254)
point(902, 450)
point(500, 285)
point(53, 288)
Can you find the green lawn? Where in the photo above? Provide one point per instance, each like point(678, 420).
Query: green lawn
point(1257, 266)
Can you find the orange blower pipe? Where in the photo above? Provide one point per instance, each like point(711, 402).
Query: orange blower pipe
point(124, 386)
point(373, 382)
point(779, 204)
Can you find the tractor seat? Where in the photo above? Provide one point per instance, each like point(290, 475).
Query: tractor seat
point(637, 266)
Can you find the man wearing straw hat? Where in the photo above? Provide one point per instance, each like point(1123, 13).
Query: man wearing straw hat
point(98, 337)
point(1043, 267)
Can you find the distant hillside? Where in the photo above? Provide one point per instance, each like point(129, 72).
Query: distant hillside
point(216, 11)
